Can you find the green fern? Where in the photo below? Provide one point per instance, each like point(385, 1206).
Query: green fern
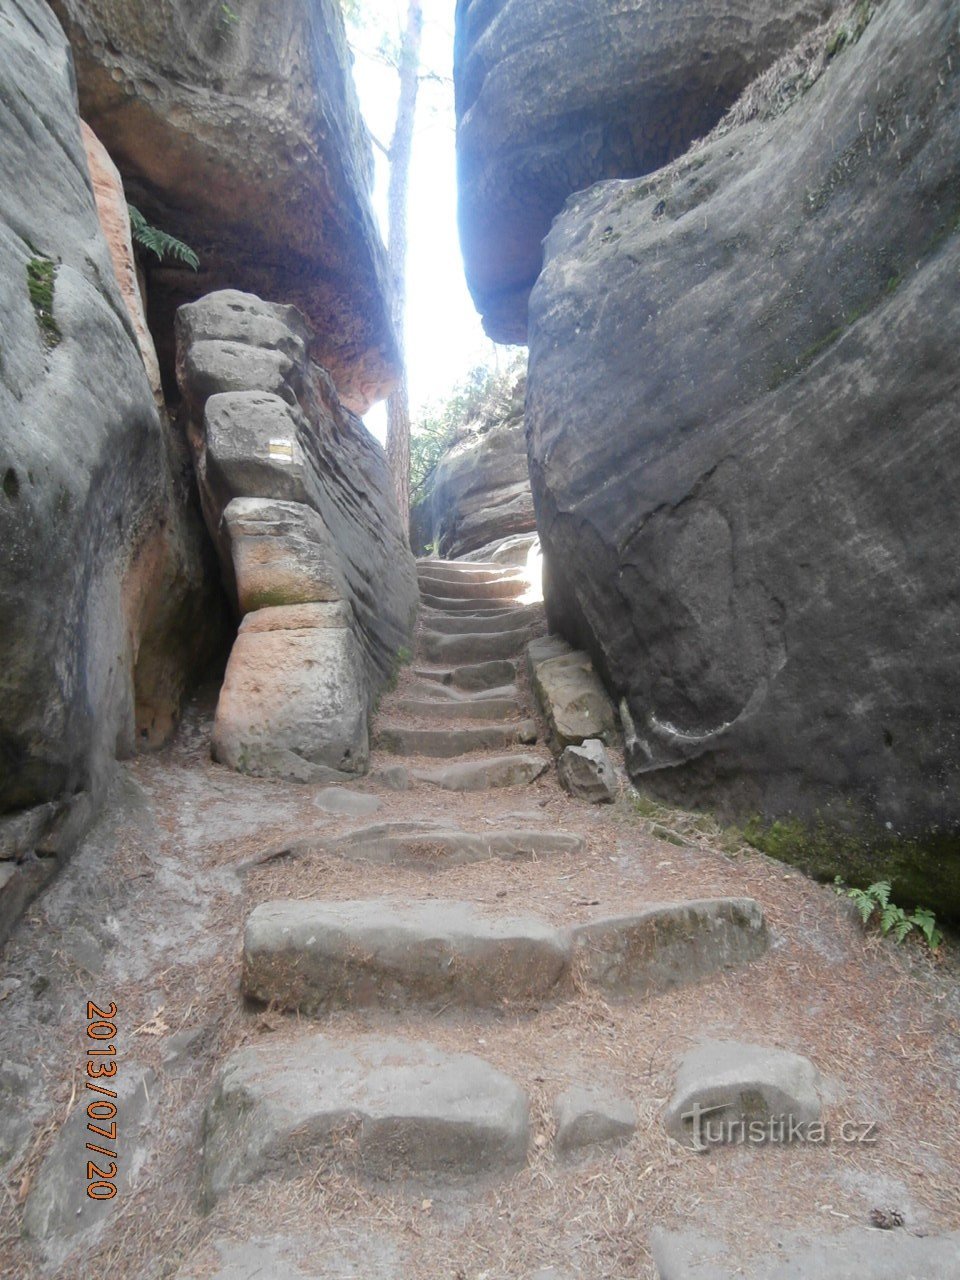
point(152, 240)
point(892, 920)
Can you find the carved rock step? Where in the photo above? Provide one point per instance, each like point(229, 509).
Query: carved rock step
point(453, 572)
point(317, 956)
point(387, 1107)
point(426, 690)
point(437, 846)
point(460, 708)
point(445, 744)
point(506, 587)
point(476, 647)
point(483, 775)
point(457, 624)
point(473, 677)
point(456, 604)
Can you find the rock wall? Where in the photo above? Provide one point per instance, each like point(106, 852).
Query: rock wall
point(236, 128)
point(479, 492)
point(298, 499)
point(553, 95)
point(101, 555)
point(742, 418)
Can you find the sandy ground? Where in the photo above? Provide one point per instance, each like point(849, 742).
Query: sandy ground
point(150, 915)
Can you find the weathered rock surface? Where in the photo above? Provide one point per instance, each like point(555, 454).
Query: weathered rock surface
point(556, 95)
point(751, 559)
point(317, 956)
point(479, 492)
point(387, 1106)
point(666, 947)
point(722, 1084)
point(479, 775)
point(571, 695)
point(473, 677)
point(587, 772)
point(868, 1255)
point(102, 572)
point(294, 698)
point(298, 500)
point(586, 1117)
point(435, 845)
point(240, 133)
point(443, 743)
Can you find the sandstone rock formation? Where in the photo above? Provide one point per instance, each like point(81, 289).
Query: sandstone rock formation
point(101, 562)
point(236, 128)
point(555, 95)
point(479, 492)
point(749, 506)
point(298, 500)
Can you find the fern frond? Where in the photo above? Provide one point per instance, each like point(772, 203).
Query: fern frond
point(880, 892)
point(152, 240)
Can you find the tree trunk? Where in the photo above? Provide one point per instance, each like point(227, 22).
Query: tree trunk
point(401, 147)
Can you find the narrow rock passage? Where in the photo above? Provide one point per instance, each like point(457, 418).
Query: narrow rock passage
point(446, 1021)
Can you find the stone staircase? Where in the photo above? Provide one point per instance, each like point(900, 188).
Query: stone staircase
point(393, 1107)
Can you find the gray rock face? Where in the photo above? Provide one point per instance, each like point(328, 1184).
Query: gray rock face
point(587, 772)
point(571, 695)
point(723, 1085)
point(752, 558)
point(316, 956)
point(587, 1117)
point(102, 574)
point(480, 491)
point(868, 1255)
point(298, 500)
point(389, 1106)
point(554, 95)
point(666, 947)
point(240, 133)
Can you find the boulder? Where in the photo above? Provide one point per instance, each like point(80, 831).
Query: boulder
point(252, 447)
point(386, 1106)
point(570, 694)
point(282, 554)
point(760, 559)
point(587, 772)
point(555, 95)
point(237, 129)
point(294, 698)
point(587, 1117)
point(104, 584)
point(725, 1089)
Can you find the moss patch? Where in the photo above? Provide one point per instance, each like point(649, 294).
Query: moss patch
point(41, 285)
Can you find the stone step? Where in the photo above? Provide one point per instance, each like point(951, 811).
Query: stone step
point(452, 571)
point(473, 677)
point(444, 743)
point(433, 691)
point(436, 846)
point(464, 588)
point(516, 770)
point(318, 956)
point(457, 624)
point(384, 1106)
point(457, 604)
point(460, 708)
point(473, 647)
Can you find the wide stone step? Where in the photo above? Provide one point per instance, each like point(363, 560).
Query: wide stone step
point(483, 775)
point(425, 690)
point(450, 571)
point(385, 1107)
point(444, 743)
point(457, 604)
point(460, 708)
point(473, 677)
point(318, 956)
point(435, 846)
point(506, 587)
point(474, 647)
point(458, 624)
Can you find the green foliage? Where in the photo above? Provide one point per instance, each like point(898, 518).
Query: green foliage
point(226, 17)
point(873, 904)
point(852, 29)
point(485, 397)
point(41, 285)
point(152, 240)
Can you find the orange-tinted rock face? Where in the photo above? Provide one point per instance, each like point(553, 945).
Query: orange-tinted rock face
point(112, 211)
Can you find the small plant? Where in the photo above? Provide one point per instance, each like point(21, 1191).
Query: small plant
point(226, 17)
point(152, 240)
point(873, 904)
point(41, 283)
